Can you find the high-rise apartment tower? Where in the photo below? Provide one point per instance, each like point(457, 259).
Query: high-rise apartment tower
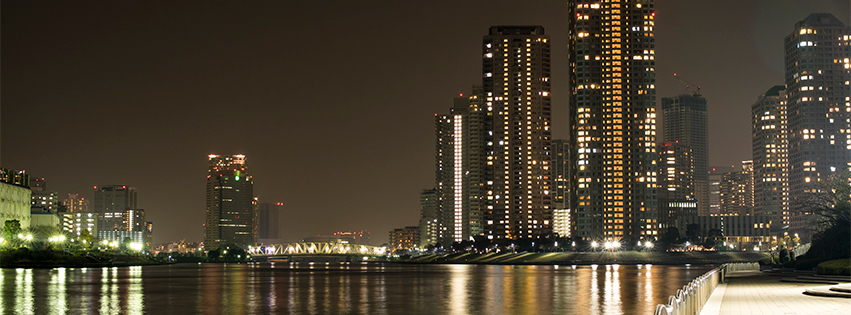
point(460, 166)
point(771, 156)
point(516, 88)
point(613, 119)
point(818, 66)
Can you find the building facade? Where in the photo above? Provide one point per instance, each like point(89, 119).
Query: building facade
point(613, 120)
point(686, 121)
point(516, 88)
point(561, 168)
point(737, 192)
point(15, 197)
point(405, 238)
point(676, 183)
point(269, 216)
point(818, 65)
point(460, 163)
point(75, 203)
point(428, 217)
point(771, 156)
point(231, 218)
point(77, 222)
point(114, 198)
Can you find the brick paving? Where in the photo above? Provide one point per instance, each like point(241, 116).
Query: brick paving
point(754, 292)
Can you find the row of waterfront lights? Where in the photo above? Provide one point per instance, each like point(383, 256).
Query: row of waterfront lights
point(613, 245)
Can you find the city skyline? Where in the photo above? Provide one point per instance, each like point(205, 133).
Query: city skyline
point(338, 125)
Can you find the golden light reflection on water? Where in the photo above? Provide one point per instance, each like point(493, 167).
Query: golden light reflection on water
point(458, 289)
point(342, 289)
point(24, 295)
point(56, 290)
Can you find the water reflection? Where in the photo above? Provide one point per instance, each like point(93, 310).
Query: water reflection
point(458, 289)
point(57, 291)
point(24, 294)
point(343, 289)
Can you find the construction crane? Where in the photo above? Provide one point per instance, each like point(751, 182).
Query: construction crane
point(688, 84)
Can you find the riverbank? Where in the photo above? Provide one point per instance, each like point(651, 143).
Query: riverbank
point(56, 259)
point(588, 258)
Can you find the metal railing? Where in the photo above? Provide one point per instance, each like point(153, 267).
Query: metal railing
point(691, 298)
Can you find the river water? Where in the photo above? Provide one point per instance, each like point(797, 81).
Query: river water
point(340, 288)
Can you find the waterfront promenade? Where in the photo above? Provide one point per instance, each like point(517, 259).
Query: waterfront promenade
point(754, 292)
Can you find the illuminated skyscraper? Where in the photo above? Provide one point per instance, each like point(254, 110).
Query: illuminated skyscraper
point(771, 156)
point(231, 209)
point(516, 80)
point(818, 66)
point(686, 122)
point(460, 169)
point(613, 119)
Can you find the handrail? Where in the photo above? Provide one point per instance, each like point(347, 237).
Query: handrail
point(691, 298)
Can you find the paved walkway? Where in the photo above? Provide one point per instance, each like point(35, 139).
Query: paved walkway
point(753, 292)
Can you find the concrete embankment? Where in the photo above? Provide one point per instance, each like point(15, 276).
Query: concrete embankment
point(585, 258)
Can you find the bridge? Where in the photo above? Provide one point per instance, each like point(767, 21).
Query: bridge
point(316, 252)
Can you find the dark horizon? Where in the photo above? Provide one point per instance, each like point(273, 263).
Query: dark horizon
point(332, 104)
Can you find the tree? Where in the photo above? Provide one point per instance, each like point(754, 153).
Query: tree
point(830, 206)
point(692, 232)
point(11, 228)
point(86, 238)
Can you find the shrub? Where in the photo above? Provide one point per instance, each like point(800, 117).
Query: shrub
point(807, 264)
point(835, 267)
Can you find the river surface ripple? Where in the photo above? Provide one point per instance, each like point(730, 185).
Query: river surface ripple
point(341, 288)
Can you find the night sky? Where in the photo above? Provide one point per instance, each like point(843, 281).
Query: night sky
point(332, 102)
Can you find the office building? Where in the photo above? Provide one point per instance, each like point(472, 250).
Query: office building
point(770, 156)
point(114, 198)
point(818, 66)
point(516, 88)
point(676, 183)
point(269, 215)
point(613, 120)
point(685, 121)
point(231, 209)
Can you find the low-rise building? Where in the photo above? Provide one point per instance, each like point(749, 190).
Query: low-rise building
point(405, 238)
point(740, 231)
point(15, 197)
